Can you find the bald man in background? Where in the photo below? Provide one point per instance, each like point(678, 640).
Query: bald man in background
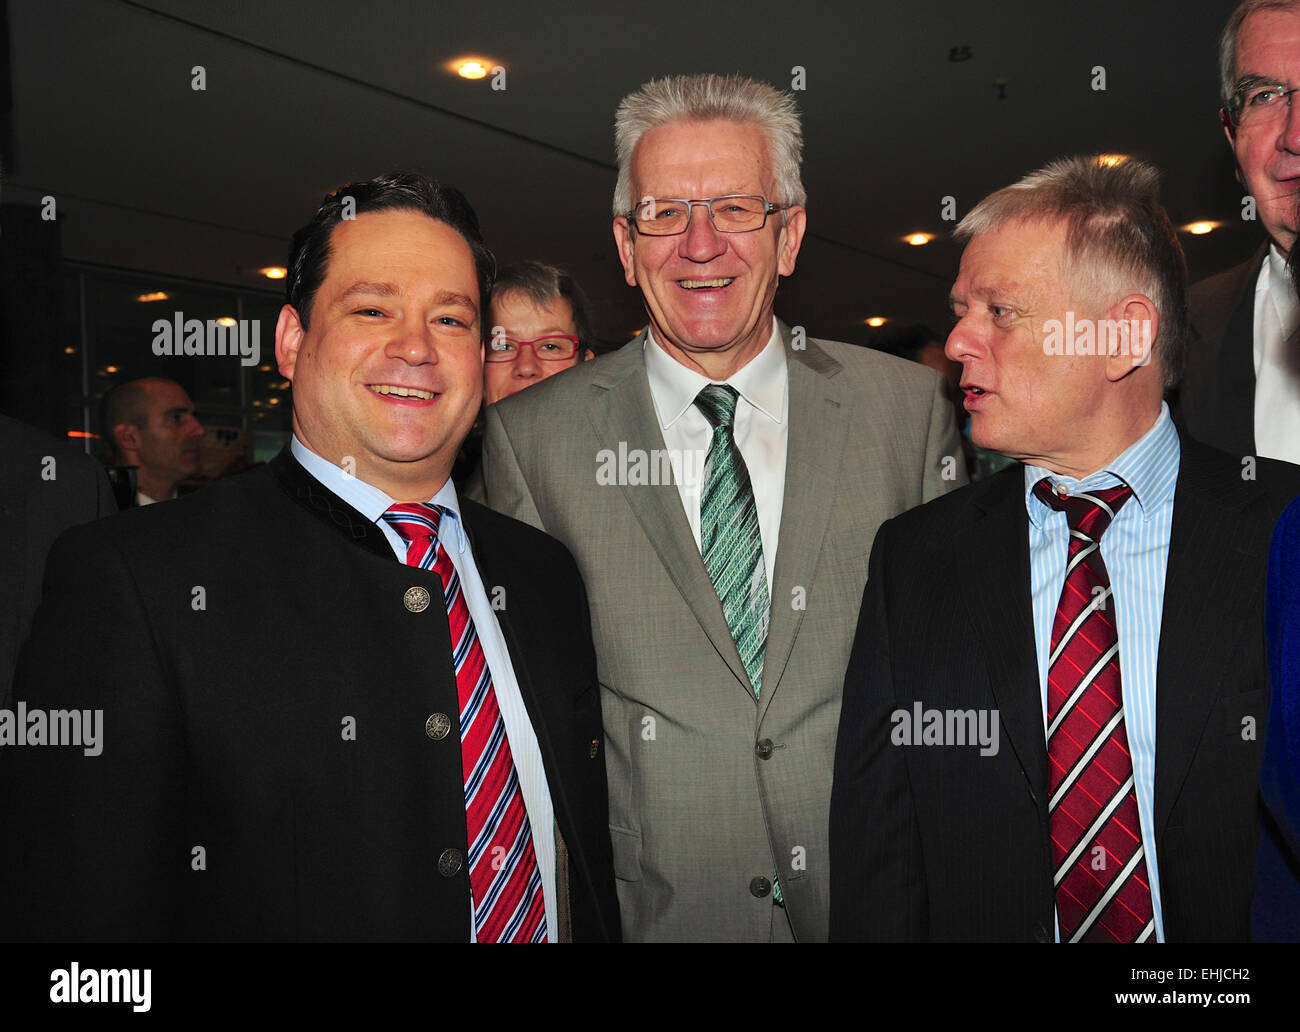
point(150, 424)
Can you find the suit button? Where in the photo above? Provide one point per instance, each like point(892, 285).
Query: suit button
point(764, 749)
point(437, 726)
point(416, 599)
point(450, 863)
point(1040, 934)
point(759, 886)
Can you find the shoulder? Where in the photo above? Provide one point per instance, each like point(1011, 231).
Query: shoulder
point(29, 453)
point(1211, 300)
point(562, 397)
point(225, 510)
point(934, 523)
point(1230, 476)
point(510, 541)
point(869, 365)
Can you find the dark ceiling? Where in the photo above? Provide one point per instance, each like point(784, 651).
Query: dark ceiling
point(150, 174)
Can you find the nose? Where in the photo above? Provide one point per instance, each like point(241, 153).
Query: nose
point(963, 342)
point(1290, 136)
point(701, 242)
point(196, 429)
point(527, 366)
point(413, 343)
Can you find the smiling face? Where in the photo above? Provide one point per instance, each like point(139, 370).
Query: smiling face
point(522, 318)
point(709, 295)
point(390, 372)
point(1268, 154)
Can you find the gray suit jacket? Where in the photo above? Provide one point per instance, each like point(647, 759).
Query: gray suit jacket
point(710, 790)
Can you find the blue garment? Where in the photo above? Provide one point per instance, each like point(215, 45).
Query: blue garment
point(1275, 915)
point(1135, 549)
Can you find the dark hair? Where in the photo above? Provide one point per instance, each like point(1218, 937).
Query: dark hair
point(127, 402)
point(309, 251)
point(542, 284)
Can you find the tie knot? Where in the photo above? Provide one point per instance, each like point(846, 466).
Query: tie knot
point(1088, 512)
point(718, 403)
point(414, 520)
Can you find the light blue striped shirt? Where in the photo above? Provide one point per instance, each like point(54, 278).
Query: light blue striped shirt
point(1135, 549)
point(372, 503)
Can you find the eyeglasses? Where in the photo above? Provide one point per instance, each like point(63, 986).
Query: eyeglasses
point(1258, 103)
point(555, 348)
point(731, 213)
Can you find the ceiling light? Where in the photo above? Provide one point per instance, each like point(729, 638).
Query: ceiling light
point(877, 320)
point(1200, 228)
point(473, 68)
point(918, 239)
point(226, 320)
point(273, 272)
point(156, 295)
point(1111, 160)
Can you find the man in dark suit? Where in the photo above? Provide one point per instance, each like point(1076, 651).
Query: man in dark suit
point(1053, 712)
point(45, 487)
point(1241, 390)
point(331, 700)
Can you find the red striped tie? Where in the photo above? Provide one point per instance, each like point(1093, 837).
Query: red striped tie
point(1100, 873)
point(504, 878)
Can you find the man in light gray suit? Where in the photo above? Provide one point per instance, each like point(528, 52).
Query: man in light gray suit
point(720, 480)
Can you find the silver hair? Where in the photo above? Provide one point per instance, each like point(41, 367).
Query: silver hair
point(698, 98)
point(1228, 41)
point(1119, 239)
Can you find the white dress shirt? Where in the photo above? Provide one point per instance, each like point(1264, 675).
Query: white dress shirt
point(1277, 361)
point(372, 503)
point(762, 431)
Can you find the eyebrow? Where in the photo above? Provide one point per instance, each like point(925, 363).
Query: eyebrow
point(444, 297)
point(1247, 82)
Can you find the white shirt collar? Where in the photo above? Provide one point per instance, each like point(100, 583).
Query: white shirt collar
point(674, 387)
point(369, 500)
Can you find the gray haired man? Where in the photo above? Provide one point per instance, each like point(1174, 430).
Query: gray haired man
point(720, 480)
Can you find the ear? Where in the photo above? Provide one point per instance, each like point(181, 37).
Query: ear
point(791, 239)
point(127, 437)
point(588, 354)
point(288, 339)
point(624, 238)
point(1132, 328)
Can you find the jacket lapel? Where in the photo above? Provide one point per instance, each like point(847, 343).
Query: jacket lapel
point(1208, 589)
point(819, 419)
point(993, 551)
point(623, 416)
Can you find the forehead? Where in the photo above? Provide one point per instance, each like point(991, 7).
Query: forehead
point(1268, 44)
point(163, 396)
point(702, 159)
point(515, 308)
point(396, 243)
point(1018, 255)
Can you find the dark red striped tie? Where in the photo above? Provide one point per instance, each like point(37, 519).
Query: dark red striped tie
point(1099, 866)
point(504, 878)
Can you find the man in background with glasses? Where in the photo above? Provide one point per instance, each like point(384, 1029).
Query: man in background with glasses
point(719, 480)
point(1241, 391)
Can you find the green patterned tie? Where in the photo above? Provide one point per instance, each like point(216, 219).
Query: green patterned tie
point(731, 543)
point(729, 537)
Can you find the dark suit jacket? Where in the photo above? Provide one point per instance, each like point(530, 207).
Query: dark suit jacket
point(1276, 912)
point(232, 638)
point(1216, 399)
point(38, 501)
point(944, 843)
